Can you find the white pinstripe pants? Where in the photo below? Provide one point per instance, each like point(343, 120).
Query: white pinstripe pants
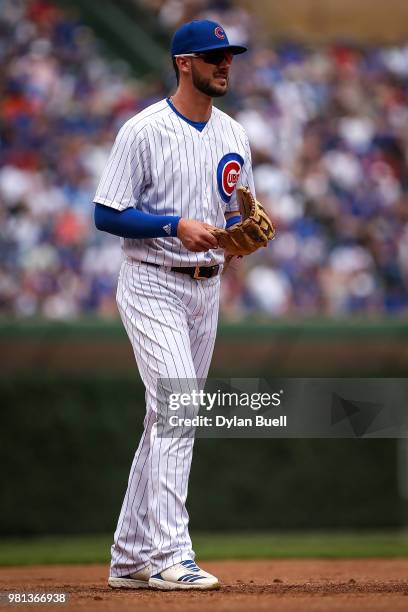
point(171, 321)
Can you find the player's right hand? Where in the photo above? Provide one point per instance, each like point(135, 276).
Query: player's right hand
point(195, 235)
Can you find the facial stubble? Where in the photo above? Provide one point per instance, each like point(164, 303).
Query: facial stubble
point(204, 85)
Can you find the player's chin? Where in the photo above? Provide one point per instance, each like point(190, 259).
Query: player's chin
point(219, 88)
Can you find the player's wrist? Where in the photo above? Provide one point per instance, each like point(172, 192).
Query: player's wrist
point(233, 220)
point(180, 226)
point(175, 226)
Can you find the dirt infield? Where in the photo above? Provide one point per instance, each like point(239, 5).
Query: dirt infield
point(284, 585)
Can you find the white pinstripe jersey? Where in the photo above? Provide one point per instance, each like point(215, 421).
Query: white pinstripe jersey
point(163, 165)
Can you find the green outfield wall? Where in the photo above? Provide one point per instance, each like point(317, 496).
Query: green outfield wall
point(72, 412)
point(279, 347)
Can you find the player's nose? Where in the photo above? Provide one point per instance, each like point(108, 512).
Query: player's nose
point(227, 59)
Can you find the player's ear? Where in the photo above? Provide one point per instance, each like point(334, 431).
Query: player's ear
point(183, 64)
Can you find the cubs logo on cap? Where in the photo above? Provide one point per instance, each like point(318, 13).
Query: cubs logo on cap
point(202, 35)
point(219, 32)
point(228, 172)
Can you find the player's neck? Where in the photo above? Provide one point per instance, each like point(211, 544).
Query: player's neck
point(197, 107)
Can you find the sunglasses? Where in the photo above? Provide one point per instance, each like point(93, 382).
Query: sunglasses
point(215, 57)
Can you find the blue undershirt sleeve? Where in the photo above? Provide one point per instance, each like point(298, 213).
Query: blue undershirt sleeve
point(133, 223)
point(233, 220)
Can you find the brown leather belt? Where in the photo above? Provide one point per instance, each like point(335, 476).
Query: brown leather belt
point(197, 272)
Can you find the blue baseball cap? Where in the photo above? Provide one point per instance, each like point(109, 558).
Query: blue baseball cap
point(202, 35)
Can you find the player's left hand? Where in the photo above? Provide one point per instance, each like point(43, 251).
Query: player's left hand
point(254, 230)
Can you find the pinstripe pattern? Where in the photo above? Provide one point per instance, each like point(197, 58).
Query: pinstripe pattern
point(172, 327)
point(163, 165)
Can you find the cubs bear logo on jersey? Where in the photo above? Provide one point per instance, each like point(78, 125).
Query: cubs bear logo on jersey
point(228, 171)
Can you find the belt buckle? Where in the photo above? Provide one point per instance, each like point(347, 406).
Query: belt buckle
point(197, 274)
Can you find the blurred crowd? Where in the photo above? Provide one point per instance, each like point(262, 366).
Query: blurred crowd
point(329, 134)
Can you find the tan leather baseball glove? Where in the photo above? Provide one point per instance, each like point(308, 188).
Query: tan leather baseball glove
point(253, 231)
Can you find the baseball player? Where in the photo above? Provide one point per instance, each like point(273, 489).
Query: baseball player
point(170, 180)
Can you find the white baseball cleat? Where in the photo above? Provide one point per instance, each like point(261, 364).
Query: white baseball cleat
point(137, 580)
point(184, 575)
